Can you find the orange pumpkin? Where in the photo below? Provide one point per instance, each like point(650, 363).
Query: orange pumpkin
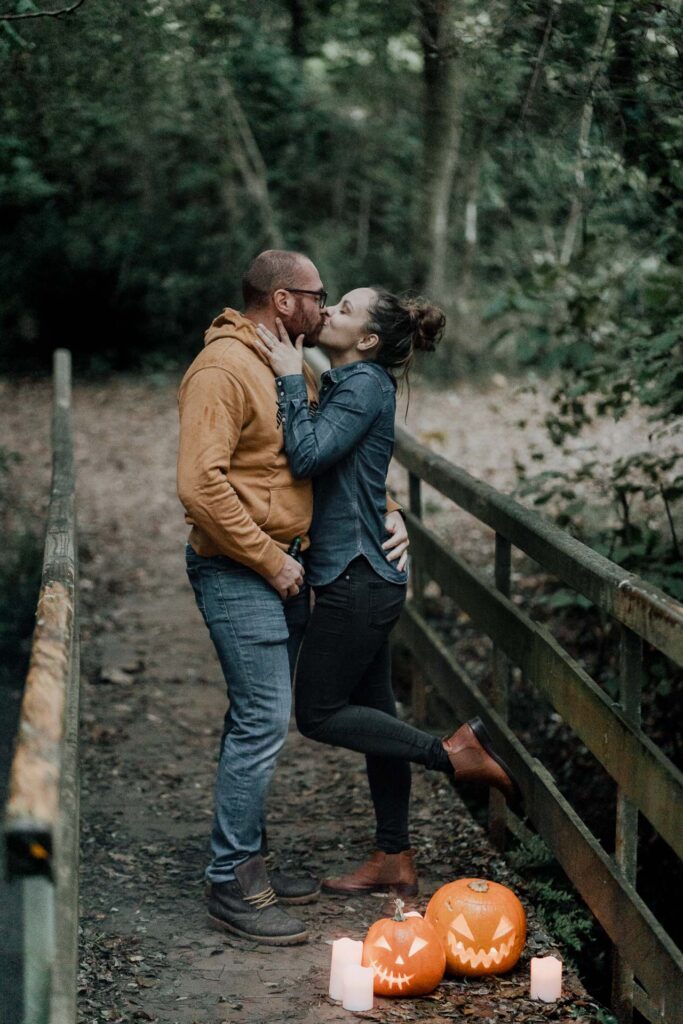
point(405, 953)
point(481, 924)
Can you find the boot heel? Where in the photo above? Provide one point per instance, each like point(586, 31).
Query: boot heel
point(482, 734)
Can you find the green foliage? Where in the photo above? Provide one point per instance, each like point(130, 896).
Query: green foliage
point(625, 511)
point(130, 210)
point(147, 152)
point(131, 192)
point(593, 1014)
point(556, 903)
point(617, 337)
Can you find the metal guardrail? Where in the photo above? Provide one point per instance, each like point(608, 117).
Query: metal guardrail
point(648, 967)
point(42, 810)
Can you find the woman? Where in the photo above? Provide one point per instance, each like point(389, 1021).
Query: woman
point(343, 681)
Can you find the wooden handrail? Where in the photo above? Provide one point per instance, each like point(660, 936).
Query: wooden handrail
point(645, 609)
point(646, 780)
point(41, 813)
point(33, 803)
point(611, 898)
point(647, 777)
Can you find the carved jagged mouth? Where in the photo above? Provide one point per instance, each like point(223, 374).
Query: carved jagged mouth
point(475, 958)
point(389, 978)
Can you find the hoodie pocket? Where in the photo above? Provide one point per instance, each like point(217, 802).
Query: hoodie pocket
point(289, 512)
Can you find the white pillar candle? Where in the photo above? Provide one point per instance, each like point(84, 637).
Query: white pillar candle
point(546, 978)
point(345, 952)
point(358, 985)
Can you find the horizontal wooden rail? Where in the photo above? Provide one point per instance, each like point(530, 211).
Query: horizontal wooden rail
point(613, 901)
point(649, 612)
point(41, 814)
point(647, 777)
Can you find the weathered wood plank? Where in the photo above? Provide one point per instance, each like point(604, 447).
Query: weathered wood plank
point(645, 609)
point(644, 773)
point(35, 777)
point(63, 1008)
point(34, 781)
point(41, 814)
point(626, 831)
point(657, 962)
point(499, 691)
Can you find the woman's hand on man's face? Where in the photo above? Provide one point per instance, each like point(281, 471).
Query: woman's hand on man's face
point(284, 358)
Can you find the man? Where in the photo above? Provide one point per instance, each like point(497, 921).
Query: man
point(246, 509)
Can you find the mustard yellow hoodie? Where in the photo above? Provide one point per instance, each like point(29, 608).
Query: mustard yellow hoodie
point(234, 480)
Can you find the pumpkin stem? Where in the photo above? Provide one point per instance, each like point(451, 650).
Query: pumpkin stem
point(398, 916)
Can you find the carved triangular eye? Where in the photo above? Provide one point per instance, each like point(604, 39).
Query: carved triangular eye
point(382, 943)
point(461, 925)
point(417, 945)
point(504, 926)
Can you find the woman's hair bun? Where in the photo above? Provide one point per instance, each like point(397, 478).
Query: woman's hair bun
point(429, 322)
point(404, 325)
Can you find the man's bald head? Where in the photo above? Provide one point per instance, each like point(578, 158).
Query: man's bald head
point(272, 269)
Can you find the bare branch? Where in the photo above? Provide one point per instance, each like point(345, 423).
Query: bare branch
point(538, 64)
point(41, 14)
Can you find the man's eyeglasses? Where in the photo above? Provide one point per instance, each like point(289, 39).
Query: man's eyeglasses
point(321, 295)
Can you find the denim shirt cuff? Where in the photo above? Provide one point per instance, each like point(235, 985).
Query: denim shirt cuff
point(291, 386)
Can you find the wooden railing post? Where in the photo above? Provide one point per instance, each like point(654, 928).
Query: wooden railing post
point(418, 582)
point(500, 690)
point(626, 837)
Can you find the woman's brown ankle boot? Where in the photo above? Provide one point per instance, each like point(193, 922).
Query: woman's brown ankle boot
point(394, 871)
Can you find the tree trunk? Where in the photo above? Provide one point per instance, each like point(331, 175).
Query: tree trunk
point(579, 201)
point(297, 35)
point(471, 226)
point(250, 164)
point(441, 146)
point(363, 232)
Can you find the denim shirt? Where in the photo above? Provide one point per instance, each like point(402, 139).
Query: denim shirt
point(345, 445)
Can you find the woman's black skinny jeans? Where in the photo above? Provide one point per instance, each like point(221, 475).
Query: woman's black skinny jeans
point(344, 697)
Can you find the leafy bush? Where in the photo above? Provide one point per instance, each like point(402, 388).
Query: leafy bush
point(561, 912)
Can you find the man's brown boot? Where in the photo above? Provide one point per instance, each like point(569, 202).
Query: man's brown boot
point(473, 760)
point(247, 906)
point(393, 871)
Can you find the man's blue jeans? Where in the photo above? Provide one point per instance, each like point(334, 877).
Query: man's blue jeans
point(256, 636)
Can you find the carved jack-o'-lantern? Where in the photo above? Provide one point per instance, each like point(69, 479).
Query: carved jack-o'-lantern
point(481, 924)
point(405, 953)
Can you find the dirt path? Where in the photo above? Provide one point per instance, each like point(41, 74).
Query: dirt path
point(153, 702)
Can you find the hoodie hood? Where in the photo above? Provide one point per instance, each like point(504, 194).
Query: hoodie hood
point(231, 324)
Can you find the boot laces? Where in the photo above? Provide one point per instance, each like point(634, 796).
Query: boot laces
point(263, 899)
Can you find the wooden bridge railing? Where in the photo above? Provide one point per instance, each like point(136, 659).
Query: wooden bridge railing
point(42, 812)
point(648, 967)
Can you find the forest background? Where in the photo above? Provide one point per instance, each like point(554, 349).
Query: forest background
point(519, 161)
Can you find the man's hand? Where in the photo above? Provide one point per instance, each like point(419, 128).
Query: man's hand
point(397, 545)
point(289, 579)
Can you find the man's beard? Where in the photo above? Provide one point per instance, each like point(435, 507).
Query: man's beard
point(306, 324)
point(311, 338)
